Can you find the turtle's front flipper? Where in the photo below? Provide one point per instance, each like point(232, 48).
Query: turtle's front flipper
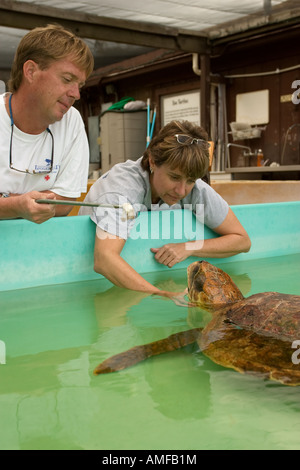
point(140, 353)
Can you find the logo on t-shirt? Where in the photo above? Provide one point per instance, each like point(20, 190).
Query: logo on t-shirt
point(46, 167)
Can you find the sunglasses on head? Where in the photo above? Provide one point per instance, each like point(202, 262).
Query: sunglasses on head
point(187, 139)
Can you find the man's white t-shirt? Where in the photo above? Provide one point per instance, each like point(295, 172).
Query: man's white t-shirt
point(71, 156)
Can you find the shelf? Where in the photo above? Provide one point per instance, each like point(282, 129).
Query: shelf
point(263, 169)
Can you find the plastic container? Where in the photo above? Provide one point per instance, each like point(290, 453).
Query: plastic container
point(260, 158)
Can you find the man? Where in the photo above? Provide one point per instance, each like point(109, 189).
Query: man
point(43, 144)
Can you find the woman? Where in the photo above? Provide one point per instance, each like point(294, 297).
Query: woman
point(169, 172)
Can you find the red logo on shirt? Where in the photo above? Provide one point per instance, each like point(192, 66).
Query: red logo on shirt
point(47, 178)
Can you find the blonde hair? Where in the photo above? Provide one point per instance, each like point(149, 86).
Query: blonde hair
point(191, 159)
point(45, 45)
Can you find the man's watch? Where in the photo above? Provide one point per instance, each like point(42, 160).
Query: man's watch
point(4, 195)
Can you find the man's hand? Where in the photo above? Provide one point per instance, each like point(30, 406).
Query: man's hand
point(24, 206)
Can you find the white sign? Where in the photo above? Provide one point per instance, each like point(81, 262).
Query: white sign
point(181, 107)
point(253, 107)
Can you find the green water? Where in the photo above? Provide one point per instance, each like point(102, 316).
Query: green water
point(55, 336)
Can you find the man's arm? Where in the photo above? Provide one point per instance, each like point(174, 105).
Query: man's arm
point(24, 206)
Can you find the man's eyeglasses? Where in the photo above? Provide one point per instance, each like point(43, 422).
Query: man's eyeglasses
point(187, 139)
point(42, 171)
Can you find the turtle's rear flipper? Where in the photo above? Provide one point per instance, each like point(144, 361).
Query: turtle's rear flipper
point(140, 353)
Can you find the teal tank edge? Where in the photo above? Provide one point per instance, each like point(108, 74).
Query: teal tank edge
point(61, 250)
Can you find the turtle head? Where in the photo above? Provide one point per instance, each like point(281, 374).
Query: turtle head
point(210, 287)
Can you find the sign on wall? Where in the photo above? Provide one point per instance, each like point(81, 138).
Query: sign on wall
point(253, 107)
point(182, 107)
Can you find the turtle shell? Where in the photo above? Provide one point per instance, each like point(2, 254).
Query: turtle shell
point(255, 335)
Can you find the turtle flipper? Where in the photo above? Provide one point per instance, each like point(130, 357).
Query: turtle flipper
point(140, 353)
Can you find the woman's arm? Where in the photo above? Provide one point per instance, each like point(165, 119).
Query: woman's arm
point(109, 263)
point(233, 240)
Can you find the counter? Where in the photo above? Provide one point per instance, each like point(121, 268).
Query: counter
point(262, 170)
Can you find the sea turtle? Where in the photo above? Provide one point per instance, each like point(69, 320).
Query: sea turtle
point(254, 335)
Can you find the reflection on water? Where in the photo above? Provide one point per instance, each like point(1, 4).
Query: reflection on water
point(55, 336)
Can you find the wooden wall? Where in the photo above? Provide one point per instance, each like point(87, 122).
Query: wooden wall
point(256, 56)
point(277, 55)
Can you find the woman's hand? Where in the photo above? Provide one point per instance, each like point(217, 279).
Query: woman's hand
point(179, 298)
point(171, 254)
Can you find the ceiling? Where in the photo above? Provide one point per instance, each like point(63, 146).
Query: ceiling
point(119, 29)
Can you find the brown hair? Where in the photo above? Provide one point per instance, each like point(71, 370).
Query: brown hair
point(191, 159)
point(48, 44)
